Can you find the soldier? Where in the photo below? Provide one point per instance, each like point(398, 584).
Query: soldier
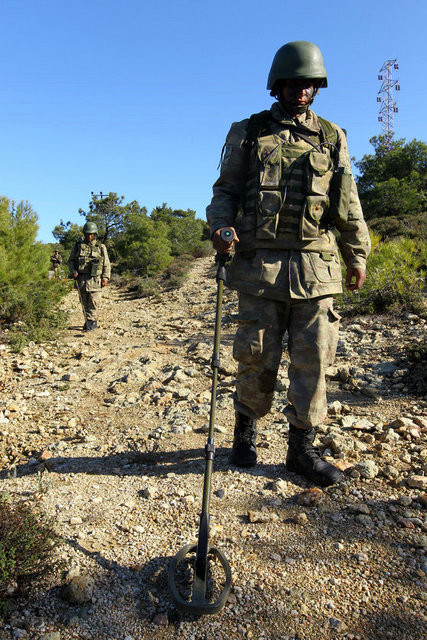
point(90, 267)
point(287, 190)
point(56, 261)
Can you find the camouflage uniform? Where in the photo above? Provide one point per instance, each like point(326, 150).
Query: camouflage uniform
point(286, 267)
point(91, 261)
point(56, 261)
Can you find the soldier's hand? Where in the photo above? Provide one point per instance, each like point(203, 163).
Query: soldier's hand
point(220, 245)
point(355, 278)
point(104, 282)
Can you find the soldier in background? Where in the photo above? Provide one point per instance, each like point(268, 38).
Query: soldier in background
point(90, 267)
point(287, 190)
point(56, 261)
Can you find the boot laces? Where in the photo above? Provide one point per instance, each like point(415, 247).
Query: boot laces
point(311, 451)
point(246, 437)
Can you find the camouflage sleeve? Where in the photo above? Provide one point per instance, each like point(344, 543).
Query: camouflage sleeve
point(72, 260)
point(106, 268)
point(354, 241)
point(227, 189)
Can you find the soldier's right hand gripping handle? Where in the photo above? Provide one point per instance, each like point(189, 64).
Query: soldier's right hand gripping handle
point(222, 258)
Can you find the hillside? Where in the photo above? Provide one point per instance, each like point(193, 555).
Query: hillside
point(107, 430)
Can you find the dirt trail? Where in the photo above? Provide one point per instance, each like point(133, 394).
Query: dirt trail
point(106, 429)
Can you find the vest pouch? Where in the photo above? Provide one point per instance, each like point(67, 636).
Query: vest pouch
point(318, 173)
point(314, 209)
point(340, 193)
point(270, 160)
point(94, 268)
point(269, 204)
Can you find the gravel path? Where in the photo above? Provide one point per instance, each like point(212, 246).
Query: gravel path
point(107, 431)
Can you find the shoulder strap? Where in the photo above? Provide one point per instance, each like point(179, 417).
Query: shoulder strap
point(258, 124)
point(330, 133)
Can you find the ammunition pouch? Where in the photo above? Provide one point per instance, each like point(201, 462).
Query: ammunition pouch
point(269, 195)
point(94, 268)
point(340, 193)
point(318, 170)
point(311, 219)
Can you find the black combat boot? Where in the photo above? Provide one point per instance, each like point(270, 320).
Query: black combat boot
point(303, 458)
point(243, 453)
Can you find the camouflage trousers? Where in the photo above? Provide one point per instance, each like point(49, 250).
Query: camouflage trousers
point(90, 302)
point(89, 299)
point(312, 327)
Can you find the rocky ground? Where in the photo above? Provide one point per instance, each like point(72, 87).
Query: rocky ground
point(107, 430)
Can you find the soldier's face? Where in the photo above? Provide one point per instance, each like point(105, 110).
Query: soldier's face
point(89, 237)
point(298, 93)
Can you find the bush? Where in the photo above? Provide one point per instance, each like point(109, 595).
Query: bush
point(416, 361)
point(146, 287)
point(27, 297)
point(393, 181)
point(144, 247)
point(395, 279)
point(411, 226)
point(177, 271)
point(203, 249)
point(28, 546)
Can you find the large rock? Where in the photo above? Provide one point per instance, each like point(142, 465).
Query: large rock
point(338, 443)
point(418, 482)
point(385, 368)
point(79, 589)
point(367, 469)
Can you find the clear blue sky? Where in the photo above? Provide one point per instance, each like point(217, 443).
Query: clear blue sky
point(136, 96)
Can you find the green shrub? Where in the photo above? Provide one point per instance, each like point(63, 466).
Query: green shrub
point(28, 544)
point(395, 279)
point(144, 247)
point(146, 287)
point(203, 249)
point(416, 361)
point(177, 271)
point(416, 352)
point(184, 231)
point(28, 299)
point(411, 226)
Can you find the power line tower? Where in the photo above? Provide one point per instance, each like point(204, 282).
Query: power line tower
point(386, 97)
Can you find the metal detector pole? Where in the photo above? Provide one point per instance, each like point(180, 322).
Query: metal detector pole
point(201, 563)
point(199, 602)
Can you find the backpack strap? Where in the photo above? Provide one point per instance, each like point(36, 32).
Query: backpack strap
point(329, 132)
point(258, 125)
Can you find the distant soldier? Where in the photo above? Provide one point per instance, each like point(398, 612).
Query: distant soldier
point(55, 261)
point(90, 267)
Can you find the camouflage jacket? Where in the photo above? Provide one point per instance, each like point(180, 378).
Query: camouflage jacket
point(91, 261)
point(277, 198)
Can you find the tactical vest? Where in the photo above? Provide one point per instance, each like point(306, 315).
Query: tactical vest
point(90, 259)
point(294, 184)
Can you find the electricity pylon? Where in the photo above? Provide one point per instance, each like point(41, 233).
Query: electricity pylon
point(386, 97)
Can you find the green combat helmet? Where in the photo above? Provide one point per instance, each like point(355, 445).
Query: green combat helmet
point(90, 227)
point(297, 60)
